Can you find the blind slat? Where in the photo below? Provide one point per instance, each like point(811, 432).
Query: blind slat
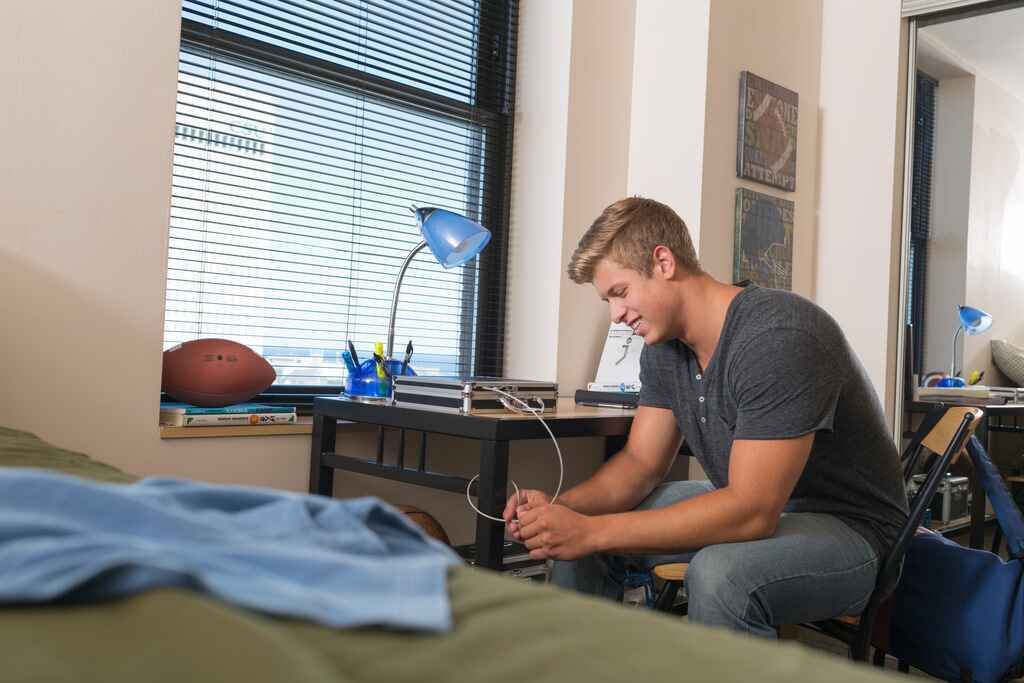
point(293, 178)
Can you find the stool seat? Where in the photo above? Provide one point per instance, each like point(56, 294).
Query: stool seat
point(671, 572)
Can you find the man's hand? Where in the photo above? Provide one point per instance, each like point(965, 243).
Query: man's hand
point(527, 498)
point(555, 532)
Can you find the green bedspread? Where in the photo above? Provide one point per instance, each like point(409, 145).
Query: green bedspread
point(505, 630)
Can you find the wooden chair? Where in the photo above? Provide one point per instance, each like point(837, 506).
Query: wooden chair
point(944, 433)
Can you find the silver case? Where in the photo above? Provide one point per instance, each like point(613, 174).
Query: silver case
point(471, 396)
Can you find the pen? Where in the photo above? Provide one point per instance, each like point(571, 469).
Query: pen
point(352, 351)
point(405, 360)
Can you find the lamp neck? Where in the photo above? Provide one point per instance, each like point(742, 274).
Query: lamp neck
point(389, 351)
point(952, 362)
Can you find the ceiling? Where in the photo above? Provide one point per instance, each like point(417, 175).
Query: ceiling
point(989, 45)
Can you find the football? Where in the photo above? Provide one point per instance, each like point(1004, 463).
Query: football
point(426, 522)
point(215, 372)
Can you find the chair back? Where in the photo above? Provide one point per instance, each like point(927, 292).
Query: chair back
point(944, 432)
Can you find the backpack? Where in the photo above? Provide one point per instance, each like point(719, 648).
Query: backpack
point(958, 613)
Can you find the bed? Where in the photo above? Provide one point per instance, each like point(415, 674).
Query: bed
point(505, 630)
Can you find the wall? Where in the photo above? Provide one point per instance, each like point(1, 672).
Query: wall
point(670, 80)
point(947, 241)
point(750, 36)
point(597, 154)
point(85, 177)
point(995, 242)
point(538, 188)
point(859, 179)
point(619, 108)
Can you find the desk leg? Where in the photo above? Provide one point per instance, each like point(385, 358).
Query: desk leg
point(612, 445)
point(321, 478)
point(977, 536)
point(491, 488)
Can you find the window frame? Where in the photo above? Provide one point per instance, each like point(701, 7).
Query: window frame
point(492, 106)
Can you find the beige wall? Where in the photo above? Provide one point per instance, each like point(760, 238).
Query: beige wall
point(858, 181)
point(779, 41)
point(947, 240)
point(597, 154)
point(995, 238)
point(85, 182)
point(670, 79)
point(85, 176)
point(538, 188)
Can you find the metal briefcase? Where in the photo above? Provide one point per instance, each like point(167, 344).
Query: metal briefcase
point(471, 395)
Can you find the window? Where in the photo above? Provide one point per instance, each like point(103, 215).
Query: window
point(920, 211)
point(305, 129)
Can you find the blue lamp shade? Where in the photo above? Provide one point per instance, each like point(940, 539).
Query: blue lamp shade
point(974, 320)
point(452, 238)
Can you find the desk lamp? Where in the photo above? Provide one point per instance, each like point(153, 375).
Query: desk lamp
point(453, 240)
point(972, 321)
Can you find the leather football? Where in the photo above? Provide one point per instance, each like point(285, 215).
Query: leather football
point(426, 522)
point(215, 372)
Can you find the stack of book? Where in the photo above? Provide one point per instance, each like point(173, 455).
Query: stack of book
point(971, 395)
point(185, 415)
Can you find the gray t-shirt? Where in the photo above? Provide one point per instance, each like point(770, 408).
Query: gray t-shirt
point(783, 369)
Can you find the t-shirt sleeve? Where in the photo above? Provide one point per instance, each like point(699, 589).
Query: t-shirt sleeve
point(654, 391)
point(786, 385)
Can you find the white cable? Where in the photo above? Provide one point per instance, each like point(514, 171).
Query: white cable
point(526, 409)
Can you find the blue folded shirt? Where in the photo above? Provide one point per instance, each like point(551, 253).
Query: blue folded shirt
point(340, 563)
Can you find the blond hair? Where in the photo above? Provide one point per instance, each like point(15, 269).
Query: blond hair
point(627, 232)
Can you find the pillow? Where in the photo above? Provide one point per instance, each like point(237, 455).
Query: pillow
point(1010, 359)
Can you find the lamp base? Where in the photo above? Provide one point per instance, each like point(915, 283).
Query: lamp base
point(956, 382)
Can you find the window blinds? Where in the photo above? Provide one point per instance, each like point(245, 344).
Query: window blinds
point(305, 130)
point(920, 210)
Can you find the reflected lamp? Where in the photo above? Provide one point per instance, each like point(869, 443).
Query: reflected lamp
point(971, 321)
point(452, 239)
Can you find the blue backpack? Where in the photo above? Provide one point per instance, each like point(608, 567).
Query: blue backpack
point(958, 613)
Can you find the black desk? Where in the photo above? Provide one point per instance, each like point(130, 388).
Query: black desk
point(1014, 410)
point(494, 432)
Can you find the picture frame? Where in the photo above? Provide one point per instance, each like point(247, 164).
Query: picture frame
point(763, 247)
point(767, 132)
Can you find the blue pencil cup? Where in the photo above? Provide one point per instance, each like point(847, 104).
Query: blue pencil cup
point(365, 384)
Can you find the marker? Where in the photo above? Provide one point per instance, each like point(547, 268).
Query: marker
point(405, 360)
point(352, 351)
point(347, 357)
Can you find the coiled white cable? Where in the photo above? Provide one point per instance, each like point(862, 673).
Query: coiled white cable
point(506, 400)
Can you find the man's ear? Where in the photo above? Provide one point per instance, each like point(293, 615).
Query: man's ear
point(664, 262)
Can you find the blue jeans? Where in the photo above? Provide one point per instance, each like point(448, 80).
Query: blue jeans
point(814, 567)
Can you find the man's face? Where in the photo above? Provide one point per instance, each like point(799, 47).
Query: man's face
point(641, 302)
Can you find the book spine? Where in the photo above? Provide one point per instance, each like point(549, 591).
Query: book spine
point(233, 410)
point(233, 419)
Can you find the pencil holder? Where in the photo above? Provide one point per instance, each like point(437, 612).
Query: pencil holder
point(364, 383)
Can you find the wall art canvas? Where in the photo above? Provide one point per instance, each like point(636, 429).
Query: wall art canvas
point(763, 251)
point(766, 143)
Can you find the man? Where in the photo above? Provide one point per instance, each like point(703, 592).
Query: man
point(805, 492)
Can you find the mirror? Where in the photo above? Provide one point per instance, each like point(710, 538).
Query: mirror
point(965, 243)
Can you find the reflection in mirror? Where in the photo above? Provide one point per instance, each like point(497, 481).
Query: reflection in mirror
point(966, 233)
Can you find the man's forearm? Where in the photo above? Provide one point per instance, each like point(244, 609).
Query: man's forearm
point(716, 517)
point(620, 484)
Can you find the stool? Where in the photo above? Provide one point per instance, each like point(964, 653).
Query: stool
point(673, 575)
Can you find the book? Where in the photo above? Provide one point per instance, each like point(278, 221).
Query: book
point(173, 408)
point(227, 419)
point(619, 367)
point(608, 399)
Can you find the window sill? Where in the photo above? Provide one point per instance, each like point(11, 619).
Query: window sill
point(304, 427)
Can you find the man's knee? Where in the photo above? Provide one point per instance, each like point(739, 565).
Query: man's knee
point(715, 577)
